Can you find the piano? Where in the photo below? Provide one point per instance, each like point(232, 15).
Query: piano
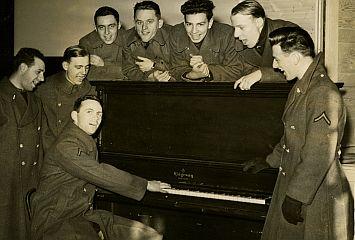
point(195, 136)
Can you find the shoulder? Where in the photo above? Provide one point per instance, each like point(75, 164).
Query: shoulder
point(178, 29)
point(279, 23)
point(90, 40)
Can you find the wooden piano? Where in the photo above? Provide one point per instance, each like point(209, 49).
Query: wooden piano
point(194, 136)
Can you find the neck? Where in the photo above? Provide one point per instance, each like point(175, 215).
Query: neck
point(304, 65)
point(15, 80)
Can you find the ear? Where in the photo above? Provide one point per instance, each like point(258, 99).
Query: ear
point(74, 116)
point(259, 23)
point(210, 22)
point(295, 57)
point(65, 65)
point(160, 23)
point(119, 25)
point(23, 67)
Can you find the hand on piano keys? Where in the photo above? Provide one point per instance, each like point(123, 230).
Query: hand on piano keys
point(158, 186)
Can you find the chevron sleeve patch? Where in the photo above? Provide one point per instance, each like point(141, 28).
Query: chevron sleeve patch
point(324, 117)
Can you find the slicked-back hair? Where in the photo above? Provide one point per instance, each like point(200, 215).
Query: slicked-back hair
point(147, 5)
point(26, 56)
point(105, 11)
point(198, 6)
point(74, 51)
point(77, 103)
point(293, 39)
point(249, 7)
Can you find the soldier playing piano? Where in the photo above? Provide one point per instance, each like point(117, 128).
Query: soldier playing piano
point(62, 206)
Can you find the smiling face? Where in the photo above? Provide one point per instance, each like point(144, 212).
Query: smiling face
point(89, 116)
point(197, 26)
point(77, 69)
point(32, 75)
point(147, 24)
point(284, 62)
point(247, 28)
point(106, 27)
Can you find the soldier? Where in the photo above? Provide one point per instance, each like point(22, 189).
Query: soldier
point(201, 49)
point(251, 30)
point(62, 205)
point(21, 118)
point(60, 91)
point(105, 45)
point(146, 51)
point(311, 199)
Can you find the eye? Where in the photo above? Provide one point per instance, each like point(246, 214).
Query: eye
point(112, 26)
point(139, 22)
point(150, 21)
point(188, 24)
point(101, 27)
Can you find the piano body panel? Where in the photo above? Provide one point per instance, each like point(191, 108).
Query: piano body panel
point(194, 136)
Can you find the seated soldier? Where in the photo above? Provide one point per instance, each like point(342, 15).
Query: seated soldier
point(201, 49)
point(146, 49)
point(63, 203)
point(105, 45)
point(252, 29)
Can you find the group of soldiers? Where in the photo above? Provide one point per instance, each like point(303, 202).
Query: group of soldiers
point(46, 124)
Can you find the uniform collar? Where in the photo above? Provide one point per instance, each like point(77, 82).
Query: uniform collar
point(64, 85)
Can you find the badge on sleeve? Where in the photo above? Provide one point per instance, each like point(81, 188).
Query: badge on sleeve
point(79, 152)
point(322, 116)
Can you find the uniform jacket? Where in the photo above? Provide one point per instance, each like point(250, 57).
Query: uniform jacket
point(308, 158)
point(218, 52)
point(58, 96)
point(62, 204)
point(157, 51)
point(255, 61)
point(20, 157)
point(110, 53)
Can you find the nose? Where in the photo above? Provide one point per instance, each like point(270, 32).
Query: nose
point(144, 26)
point(41, 77)
point(194, 29)
point(107, 30)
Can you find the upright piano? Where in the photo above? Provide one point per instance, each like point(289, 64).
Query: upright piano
point(195, 136)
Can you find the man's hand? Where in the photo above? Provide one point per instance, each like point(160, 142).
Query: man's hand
point(195, 59)
point(145, 64)
point(291, 210)
point(161, 76)
point(157, 186)
point(247, 81)
point(255, 165)
point(96, 60)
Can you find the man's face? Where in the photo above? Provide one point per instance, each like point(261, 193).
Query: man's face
point(33, 75)
point(77, 69)
point(197, 25)
point(89, 116)
point(247, 28)
point(147, 24)
point(106, 27)
point(284, 62)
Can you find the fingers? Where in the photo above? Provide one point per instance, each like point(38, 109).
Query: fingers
point(237, 82)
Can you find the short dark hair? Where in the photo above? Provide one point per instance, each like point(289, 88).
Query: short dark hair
point(147, 5)
point(105, 11)
point(26, 56)
point(198, 6)
point(293, 39)
point(249, 7)
point(77, 103)
point(74, 51)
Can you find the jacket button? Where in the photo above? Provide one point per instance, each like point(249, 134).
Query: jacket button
point(287, 150)
point(23, 163)
point(322, 75)
point(59, 121)
point(84, 189)
point(37, 146)
point(34, 163)
point(293, 127)
point(298, 90)
point(39, 128)
point(21, 145)
point(59, 104)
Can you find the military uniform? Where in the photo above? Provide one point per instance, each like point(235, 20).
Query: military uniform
point(217, 50)
point(58, 96)
point(308, 159)
point(20, 157)
point(62, 205)
point(157, 50)
point(111, 54)
point(260, 57)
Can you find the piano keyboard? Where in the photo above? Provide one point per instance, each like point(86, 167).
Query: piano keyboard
point(234, 198)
